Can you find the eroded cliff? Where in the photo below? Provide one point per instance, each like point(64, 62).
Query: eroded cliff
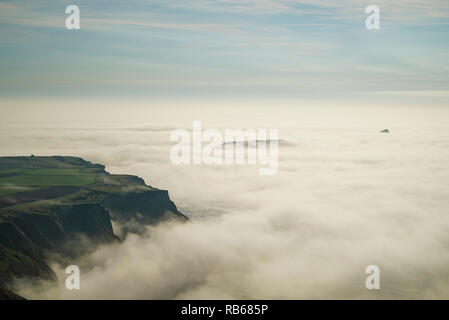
point(33, 229)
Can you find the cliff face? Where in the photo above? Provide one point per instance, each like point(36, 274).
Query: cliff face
point(134, 210)
point(33, 230)
point(148, 206)
point(27, 235)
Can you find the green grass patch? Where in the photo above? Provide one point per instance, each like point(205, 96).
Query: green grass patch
point(8, 189)
point(44, 178)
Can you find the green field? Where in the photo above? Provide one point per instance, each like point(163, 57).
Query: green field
point(12, 181)
point(4, 190)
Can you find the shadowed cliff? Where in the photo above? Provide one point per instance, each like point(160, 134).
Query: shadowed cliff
point(47, 204)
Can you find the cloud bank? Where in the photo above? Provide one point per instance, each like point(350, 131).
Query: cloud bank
point(345, 197)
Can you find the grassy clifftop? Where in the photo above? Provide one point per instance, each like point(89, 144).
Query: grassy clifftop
point(28, 179)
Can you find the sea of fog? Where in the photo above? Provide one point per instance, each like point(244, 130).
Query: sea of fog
point(345, 196)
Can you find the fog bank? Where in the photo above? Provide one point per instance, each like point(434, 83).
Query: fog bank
point(345, 197)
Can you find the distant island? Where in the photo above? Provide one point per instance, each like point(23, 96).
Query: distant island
point(47, 202)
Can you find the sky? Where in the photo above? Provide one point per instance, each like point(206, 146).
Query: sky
point(227, 49)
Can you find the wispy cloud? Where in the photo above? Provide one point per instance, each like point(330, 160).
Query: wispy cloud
point(304, 45)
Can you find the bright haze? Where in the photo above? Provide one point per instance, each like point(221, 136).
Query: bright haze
point(345, 196)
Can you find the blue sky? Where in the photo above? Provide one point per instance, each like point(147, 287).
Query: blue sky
point(253, 49)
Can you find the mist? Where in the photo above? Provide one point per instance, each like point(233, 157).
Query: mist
point(345, 196)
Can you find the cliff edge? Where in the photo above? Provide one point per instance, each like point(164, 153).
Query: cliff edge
point(47, 203)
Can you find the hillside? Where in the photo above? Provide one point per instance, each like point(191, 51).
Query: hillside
point(47, 203)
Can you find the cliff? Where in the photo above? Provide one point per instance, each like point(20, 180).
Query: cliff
point(50, 203)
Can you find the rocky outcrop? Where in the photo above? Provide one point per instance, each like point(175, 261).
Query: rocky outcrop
point(147, 206)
